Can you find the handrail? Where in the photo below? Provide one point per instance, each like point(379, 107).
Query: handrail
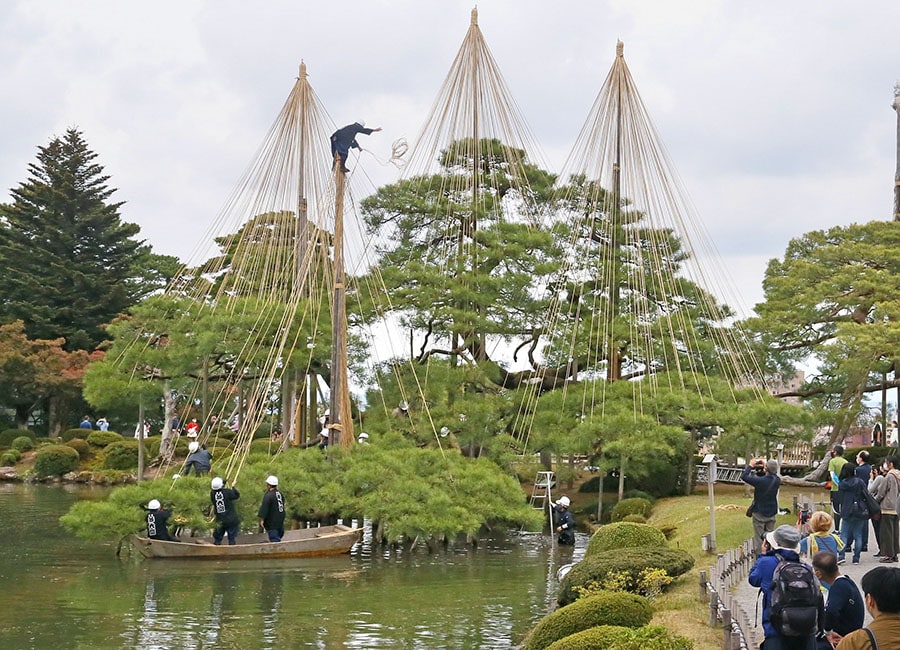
point(738, 632)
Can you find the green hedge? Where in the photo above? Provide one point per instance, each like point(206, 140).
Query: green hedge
point(81, 446)
point(55, 460)
point(613, 637)
point(102, 438)
point(121, 455)
point(635, 519)
point(624, 534)
point(604, 608)
point(627, 562)
point(23, 443)
point(10, 458)
point(635, 506)
point(7, 436)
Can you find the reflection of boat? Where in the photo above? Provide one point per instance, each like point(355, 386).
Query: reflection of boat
point(304, 542)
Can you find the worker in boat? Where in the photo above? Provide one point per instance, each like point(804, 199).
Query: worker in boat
point(271, 511)
point(227, 520)
point(363, 438)
point(344, 139)
point(157, 519)
point(565, 522)
point(198, 458)
point(323, 439)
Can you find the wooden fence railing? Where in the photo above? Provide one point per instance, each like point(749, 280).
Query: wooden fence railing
point(738, 631)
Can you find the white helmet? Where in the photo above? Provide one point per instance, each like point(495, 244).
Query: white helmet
point(564, 502)
point(404, 405)
point(363, 435)
point(361, 122)
point(217, 484)
point(272, 480)
point(154, 505)
point(445, 431)
point(194, 446)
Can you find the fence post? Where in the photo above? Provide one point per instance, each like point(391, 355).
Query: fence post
point(703, 585)
point(726, 629)
point(713, 609)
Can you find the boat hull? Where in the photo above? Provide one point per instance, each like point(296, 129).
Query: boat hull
point(304, 542)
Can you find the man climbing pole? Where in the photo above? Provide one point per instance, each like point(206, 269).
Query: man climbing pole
point(345, 138)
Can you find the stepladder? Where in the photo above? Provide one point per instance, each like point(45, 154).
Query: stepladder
point(544, 482)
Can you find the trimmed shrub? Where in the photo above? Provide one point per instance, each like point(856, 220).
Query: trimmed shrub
point(81, 446)
point(264, 446)
point(635, 519)
point(152, 446)
point(627, 507)
point(626, 565)
point(23, 443)
point(7, 437)
point(55, 460)
point(122, 455)
point(613, 637)
point(264, 430)
point(10, 458)
point(71, 434)
point(102, 438)
point(639, 494)
point(624, 534)
point(605, 608)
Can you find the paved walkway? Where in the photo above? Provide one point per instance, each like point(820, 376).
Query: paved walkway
point(748, 595)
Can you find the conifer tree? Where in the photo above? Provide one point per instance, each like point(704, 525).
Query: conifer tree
point(69, 262)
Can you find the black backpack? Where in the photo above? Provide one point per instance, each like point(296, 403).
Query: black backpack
point(794, 599)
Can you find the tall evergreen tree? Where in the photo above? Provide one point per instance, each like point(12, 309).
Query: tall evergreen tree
point(69, 262)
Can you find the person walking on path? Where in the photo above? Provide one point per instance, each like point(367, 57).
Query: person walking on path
point(344, 139)
point(763, 476)
point(887, 495)
point(821, 538)
point(834, 472)
point(844, 608)
point(881, 587)
point(271, 511)
point(778, 546)
point(856, 515)
point(227, 520)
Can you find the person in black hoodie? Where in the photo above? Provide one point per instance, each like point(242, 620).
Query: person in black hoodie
point(851, 494)
point(227, 520)
point(271, 511)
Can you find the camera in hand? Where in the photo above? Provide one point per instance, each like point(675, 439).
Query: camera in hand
point(759, 467)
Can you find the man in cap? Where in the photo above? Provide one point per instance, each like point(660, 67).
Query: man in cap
point(344, 139)
point(198, 459)
point(271, 511)
point(227, 520)
point(565, 522)
point(780, 545)
point(157, 518)
point(763, 476)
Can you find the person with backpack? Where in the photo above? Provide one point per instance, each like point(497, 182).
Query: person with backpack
point(844, 609)
point(881, 587)
point(854, 510)
point(793, 607)
point(821, 538)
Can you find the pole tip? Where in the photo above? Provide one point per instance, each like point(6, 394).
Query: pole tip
point(475, 16)
point(302, 69)
point(620, 48)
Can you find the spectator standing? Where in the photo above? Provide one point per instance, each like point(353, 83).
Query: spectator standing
point(853, 506)
point(834, 471)
point(887, 495)
point(844, 608)
point(863, 473)
point(103, 424)
point(881, 587)
point(86, 423)
point(821, 538)
point(875, 482)
point(763, 476)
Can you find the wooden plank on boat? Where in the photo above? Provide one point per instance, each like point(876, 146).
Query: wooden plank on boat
point(304, 542)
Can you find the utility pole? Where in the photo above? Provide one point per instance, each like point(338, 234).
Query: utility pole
point(896, 107)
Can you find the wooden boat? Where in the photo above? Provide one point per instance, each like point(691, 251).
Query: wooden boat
point(303, 542)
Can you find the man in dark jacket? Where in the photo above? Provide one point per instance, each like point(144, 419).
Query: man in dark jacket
point(227, 520)
point(344, 138)
point(863, 471)
point(157, 518)
point(198, 459)
point(763, 476)
point(845, 610)
point(565, 522)
point(271, 511)
point(782, 544)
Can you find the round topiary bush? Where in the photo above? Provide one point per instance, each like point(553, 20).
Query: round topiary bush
point(635, 519)
point(103, 438)
point(10, 458)
point(640, 494)
point(23, 443)
point(7, 436)
point(152, 445)
point(624, 534)
point(603, 608)
point(264, 446)
point(122, 455)
point(613, 637)
point(55, 460)
point(636, 506)
point(81, 446)
point(625, 565)
point(70, 434)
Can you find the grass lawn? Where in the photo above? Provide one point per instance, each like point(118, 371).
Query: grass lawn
point(680, 608)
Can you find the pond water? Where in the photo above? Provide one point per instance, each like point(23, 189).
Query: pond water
point(59, 592)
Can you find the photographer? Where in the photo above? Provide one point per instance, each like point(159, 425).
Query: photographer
point(763, 476)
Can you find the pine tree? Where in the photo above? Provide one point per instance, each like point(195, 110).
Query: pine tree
point(69, 263)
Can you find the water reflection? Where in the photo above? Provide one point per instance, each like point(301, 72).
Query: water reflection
point(487, 597)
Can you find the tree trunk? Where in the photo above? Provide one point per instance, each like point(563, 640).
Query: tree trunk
point(167, 444)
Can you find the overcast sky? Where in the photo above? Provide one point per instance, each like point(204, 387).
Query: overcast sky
point(776, 114)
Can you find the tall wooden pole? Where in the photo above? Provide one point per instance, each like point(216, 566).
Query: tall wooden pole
point(615, 360)
point(896, 107)
point(340, 422)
